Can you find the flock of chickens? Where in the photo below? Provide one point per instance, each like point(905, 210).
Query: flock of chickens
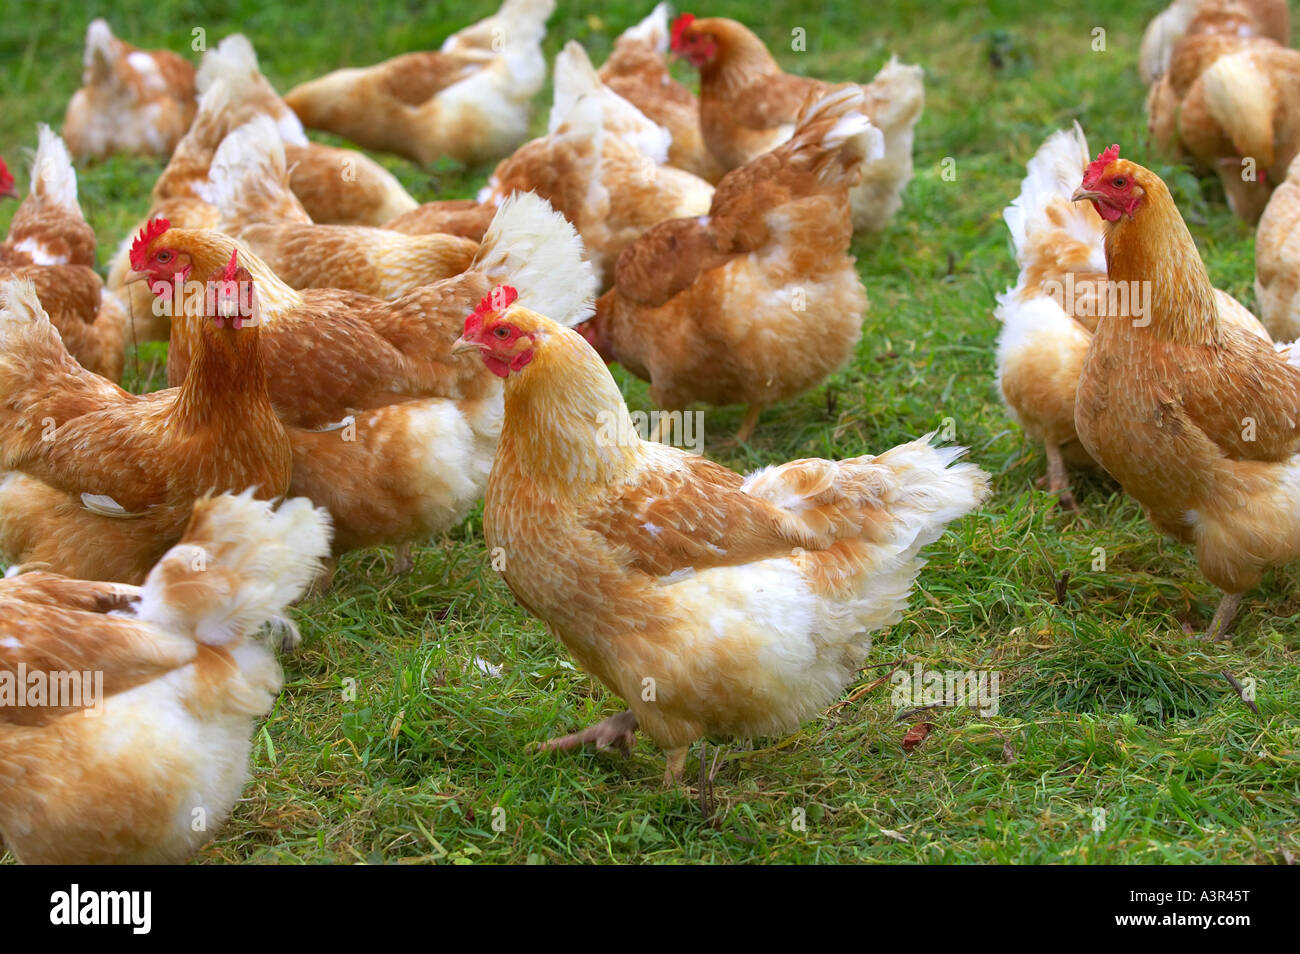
point(350, 368)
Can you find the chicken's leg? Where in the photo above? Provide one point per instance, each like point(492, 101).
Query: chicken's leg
point(403, 562)
point(676, 770)
point(1058, 478)
point(1223, 617)
point(321, 585)
point(617, 731)
point(747, 426)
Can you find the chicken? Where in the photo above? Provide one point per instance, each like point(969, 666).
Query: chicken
point(1234, 105)
point(714, 605)
point(51, 244)
point(1267, 18)
point(96, 483)
point(601, 166)
point(748, 106)
point(152, 763)
point(637, 70)
point(249, 184)
point(390, 430)
point(232, 92)
point(131, 100)
point(1194, 416)
point(1049, 317)
point(471, 100)
point(758, 300)
point(1277, 259)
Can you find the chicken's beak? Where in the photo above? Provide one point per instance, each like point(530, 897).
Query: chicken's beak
point(133, 276)
point(463, 344)
point(1081, 193)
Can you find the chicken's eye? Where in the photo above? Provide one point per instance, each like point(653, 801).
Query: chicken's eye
point(164, 257)
point(1119, 182)
point(502, 332)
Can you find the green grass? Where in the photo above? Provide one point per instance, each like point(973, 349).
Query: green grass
point(1106, 702)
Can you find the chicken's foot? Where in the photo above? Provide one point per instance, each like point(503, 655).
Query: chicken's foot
point(403, 562)
point(618, 731)
point(1058, 478)
point(1223, 617)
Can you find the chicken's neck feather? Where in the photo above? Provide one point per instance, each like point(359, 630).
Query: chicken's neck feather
point(1154, 247)
point(741, 59)
point(566, 425)
point(226, 381)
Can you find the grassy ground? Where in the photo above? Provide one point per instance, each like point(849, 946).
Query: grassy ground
point(1108, 710)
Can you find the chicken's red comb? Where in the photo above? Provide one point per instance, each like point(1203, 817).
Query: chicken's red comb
point(1098, 165)
point(498, 299)
point(229, 274)
point(6, 180)
point(680, 26)
point(140, 247)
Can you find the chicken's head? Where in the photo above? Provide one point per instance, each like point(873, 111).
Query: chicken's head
point(504, 345)
point(7, 190)
point(1112, 185)
point(692, 41)
point(154, 259)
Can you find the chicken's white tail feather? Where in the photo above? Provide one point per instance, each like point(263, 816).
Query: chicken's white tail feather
point(1164, 30)
point(240, 563)
point(248, 178)
point(653, 29)
point(1054, 173)
point(233, 55)
point(233, 65)
point(53, 176)
point(101, 48)
point(576, 78)
point(532, 247)
point(518, 24)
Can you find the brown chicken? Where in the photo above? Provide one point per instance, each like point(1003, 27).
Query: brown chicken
point(1194, 416)
point(471, 100)
point(98, 483)
point(1049, 316)
point(749, 106)
point(139, 750)
point(131, 101)
point(51, 245)
point(249, 184)
point(715, 605)
point(1232, 105)
point(758, 300)
point(637, 70)
point(1266, 18)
